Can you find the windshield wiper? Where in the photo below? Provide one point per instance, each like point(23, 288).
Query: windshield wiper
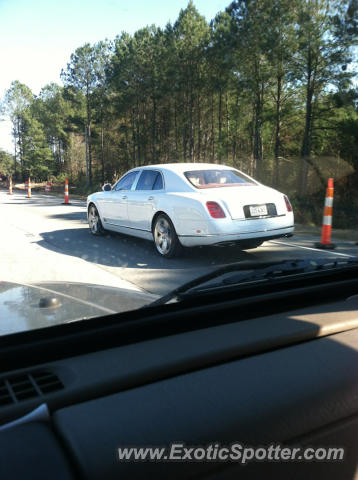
point(254, 271)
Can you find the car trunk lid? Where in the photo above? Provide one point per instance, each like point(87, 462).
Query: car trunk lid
point(248, 201)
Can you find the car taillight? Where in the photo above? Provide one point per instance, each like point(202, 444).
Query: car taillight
point(288, 204)
point(215, 210)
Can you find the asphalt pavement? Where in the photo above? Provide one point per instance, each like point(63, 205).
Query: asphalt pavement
point(43, 240)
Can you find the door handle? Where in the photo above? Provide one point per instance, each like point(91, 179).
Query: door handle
point(124, 197)
point(150, 198)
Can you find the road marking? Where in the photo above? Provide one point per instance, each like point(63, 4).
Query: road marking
point(65, 295)
point(314, 249)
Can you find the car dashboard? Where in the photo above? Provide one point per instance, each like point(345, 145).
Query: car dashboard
point(274, 365)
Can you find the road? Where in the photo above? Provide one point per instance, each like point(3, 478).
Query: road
point(43, 240)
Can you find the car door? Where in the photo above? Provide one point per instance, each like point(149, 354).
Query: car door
point(114, 205)
point(142, 201)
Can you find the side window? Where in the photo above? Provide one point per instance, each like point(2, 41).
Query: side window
point(126, 182)
point(158, 184)
point(149, 180)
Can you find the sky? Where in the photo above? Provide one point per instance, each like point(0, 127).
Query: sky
point(37, 37)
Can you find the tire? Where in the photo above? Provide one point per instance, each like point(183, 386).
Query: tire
point(165, 238)
point(94, 221)
point(248, 245)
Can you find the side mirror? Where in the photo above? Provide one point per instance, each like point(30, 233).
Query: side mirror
point(107, 187)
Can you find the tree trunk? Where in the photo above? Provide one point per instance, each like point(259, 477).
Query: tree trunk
point(199, 131)
point(134, 162)
point(205, 145)
point(234, 143)
point(191, 127)
point(60, 157)
point(306, 143)
point(15, 157)
point(89, 143)
point(154, 119)
point(277, 151)
point(138, 136)
point(212, 130)
point(128, 149)
point(227, 126)
point(185, 141)
point(258, 138)
point(102, 151)
point(139, 149)
point(86, 154)
point(176, 128)
point(220, 126)
point(21, 152)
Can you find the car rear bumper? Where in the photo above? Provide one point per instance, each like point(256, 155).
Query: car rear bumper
point(197, 240)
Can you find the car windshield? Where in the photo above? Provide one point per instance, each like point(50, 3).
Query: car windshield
point(217, 178)
point(147, 145)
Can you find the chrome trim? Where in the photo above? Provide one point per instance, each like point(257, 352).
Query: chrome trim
point(130, 228)
point(238, 233)
point(263, 217)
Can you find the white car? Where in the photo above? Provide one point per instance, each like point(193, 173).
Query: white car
point(190, 204)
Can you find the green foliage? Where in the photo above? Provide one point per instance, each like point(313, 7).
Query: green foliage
point(266, 86)
point(37, 157)
point(31, 144)
point(6, 163)
point(86, 75)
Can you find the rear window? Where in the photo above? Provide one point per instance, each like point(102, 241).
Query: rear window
point(217, 178)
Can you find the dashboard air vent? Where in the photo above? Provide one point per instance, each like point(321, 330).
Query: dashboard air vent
point(17, 388)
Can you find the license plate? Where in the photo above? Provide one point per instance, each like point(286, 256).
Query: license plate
point(258, 210)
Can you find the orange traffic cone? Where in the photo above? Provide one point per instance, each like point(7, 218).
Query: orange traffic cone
point(10, 186)
point(325, 242)
point(67, 199)
point(48, 187)
point(29, 189)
